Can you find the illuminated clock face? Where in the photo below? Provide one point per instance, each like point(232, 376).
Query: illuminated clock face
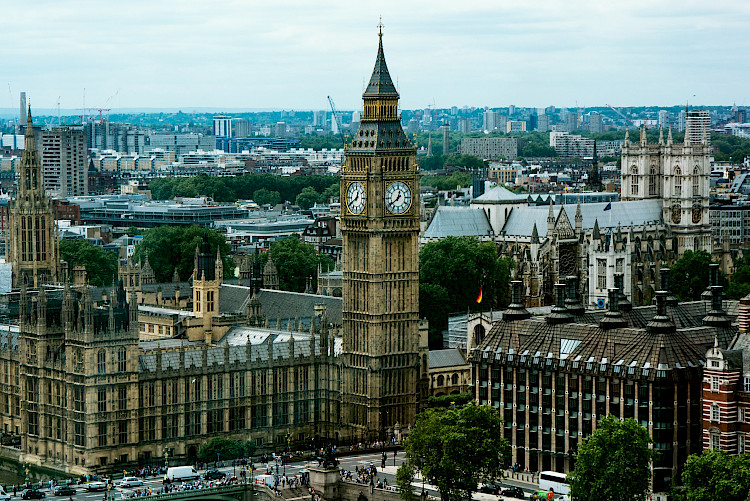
point(398, 197)
point(355, 198)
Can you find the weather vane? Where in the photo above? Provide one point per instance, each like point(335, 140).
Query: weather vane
point(380, 26)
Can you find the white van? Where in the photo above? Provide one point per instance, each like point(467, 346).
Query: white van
point(267, 480)
point(4, 496)
point(180, 474)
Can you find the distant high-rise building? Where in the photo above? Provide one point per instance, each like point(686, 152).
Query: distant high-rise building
point(533, 120)
point(595, 123)
point(681, 120)
point(515, 126)
point(511, 110)
point(63, 152)
point(697, 125)
point(543, 123)
point(413, 126)
point(356, 117)
point(241, 127)
point(320, 118)
point(464, 125)
point(664, 119)
point(280, 129)
point(22, 114)
point(571, 121)
point(740, 115)
point(222, 126)
point(446, 138)
point(454, 110)
point(489, 120)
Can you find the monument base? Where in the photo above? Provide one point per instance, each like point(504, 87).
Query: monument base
point(325, 481)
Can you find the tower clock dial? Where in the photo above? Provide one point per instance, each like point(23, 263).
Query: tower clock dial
point(356, 198)
point(398, 197)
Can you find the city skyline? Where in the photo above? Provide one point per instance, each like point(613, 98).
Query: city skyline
point(292, 55)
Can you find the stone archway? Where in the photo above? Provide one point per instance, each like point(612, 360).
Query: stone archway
point(192, 453)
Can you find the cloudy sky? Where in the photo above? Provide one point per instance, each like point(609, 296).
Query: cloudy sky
point(291, 54)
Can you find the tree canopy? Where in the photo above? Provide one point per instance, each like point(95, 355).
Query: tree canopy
point(613, 463)
point(689, 275)
point(173, 247)
point(101, 266)
point(714, 475)
point(462, 179)
point(451, 272)
point(455, 449)
point(226, 448)
point(739, 286)
point(296, 262)
point(230, 189)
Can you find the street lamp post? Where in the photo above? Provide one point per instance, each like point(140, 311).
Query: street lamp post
point(26, 478)
point(286, 458)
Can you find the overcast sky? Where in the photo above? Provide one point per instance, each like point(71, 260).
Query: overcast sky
point(291, 54)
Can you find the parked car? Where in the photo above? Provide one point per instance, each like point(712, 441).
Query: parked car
point(513, 492)
point(490, 488)
point(130, 482)
point(96, 485)
point(32, 494)
point(64, 490)
point(214, 475)
point(4, 496)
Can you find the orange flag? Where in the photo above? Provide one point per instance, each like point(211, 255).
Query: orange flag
point(479, 297)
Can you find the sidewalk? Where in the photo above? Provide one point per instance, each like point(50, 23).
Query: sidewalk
point(526, 481)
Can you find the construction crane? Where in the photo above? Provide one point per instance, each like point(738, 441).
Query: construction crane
point(623, 116)
point(338, 122)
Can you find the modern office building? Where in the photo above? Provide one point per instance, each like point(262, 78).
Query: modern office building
point(490, 147)
point(697, 126)
point(223, 126)
point(665, 121)
point(554, 377)
point(595, 123)
point(63, 153)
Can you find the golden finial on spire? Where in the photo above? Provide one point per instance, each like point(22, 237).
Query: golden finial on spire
point(380, 26)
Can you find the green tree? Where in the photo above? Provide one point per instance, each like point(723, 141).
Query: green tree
point(460, 266)
point(613, 463)
point(333, 191)
point(173, 247)
point(739, 286)
point(225, 448)
point(296, 262)
point(714, 475)
point(689, 275)
point(307, 198)
point(264, 196)
point(449, 400)
point(101, 266)
point(455, 449)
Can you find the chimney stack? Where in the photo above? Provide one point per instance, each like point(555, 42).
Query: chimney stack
point(613, 318)
point(572, 303)
point(516, 309)
point(559, 314)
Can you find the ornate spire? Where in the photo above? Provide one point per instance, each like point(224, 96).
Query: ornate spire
point(669, 137)
point(534, 235)
point(627, 137)
point(381, 84)
point(661, 135)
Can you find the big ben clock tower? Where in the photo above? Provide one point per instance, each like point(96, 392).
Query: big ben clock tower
point(380, 230)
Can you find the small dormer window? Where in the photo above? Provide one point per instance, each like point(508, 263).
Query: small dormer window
point(715, 363)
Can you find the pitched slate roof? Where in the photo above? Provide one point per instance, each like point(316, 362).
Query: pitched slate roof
point(582, 346)
point(457, 222)
point(446, 358)
point(500, 194)
point(522, 219)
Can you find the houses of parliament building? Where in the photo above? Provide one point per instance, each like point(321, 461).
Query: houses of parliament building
point(98, 378)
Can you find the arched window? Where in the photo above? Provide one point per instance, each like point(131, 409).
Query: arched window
point(678, 182)
point(652, 181)
point(101, 362)
point(122, 359)
point(696, 182)
point(441, 381)
point(479, 333)
point(634, 180)
point(454, 379)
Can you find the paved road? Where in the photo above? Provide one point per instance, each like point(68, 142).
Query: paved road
point(348, 463)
